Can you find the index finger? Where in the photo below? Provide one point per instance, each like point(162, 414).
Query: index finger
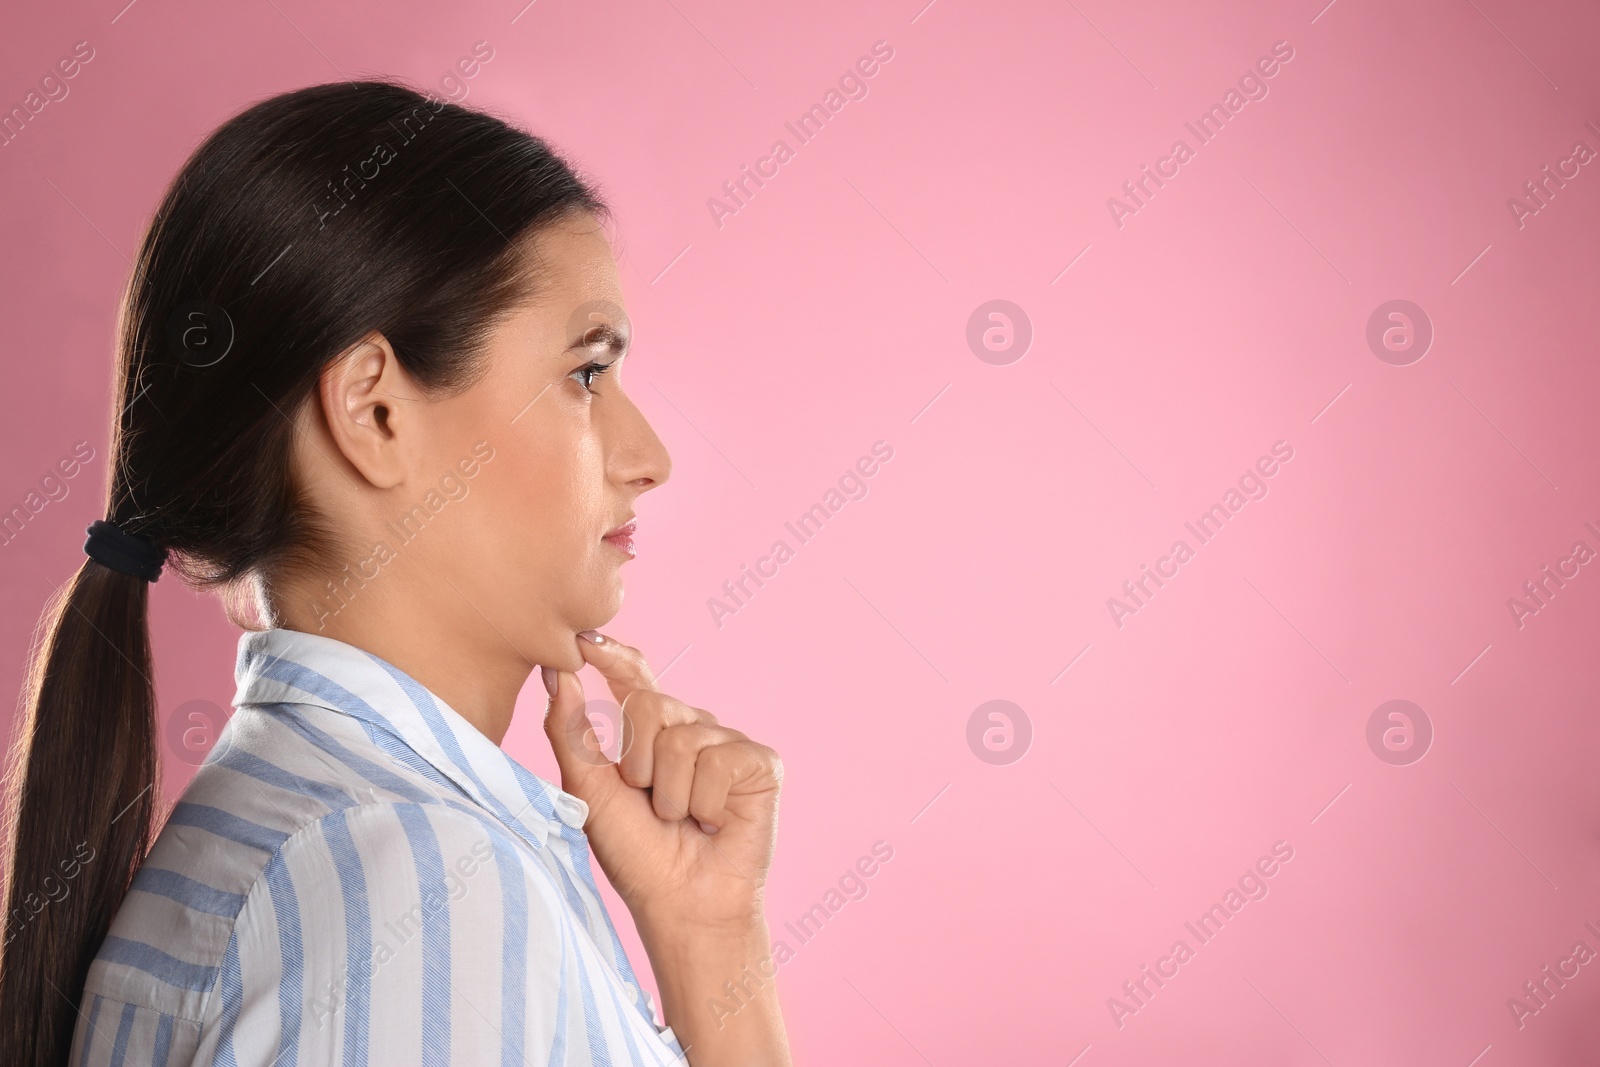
point(622, 666)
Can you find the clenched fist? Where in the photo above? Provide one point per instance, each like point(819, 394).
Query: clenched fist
point(685, 823)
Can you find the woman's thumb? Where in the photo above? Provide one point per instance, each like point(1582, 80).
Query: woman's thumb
point(570, 733)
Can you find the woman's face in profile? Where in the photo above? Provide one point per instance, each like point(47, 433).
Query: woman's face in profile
point(570, 455)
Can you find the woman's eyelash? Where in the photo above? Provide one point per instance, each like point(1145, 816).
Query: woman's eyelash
point(593, 369)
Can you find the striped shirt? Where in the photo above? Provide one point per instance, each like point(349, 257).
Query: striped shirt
point(357, 876)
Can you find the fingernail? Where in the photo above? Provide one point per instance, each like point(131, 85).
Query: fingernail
point(706, 828)
point(592, 636)
point(549, 675)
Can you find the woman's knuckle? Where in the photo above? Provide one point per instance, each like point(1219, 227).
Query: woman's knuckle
point(679, 741)
point(719, 757)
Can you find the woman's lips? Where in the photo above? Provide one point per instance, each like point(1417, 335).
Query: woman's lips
point(622, 537)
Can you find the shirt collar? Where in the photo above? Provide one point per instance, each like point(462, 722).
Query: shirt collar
point(281, 666)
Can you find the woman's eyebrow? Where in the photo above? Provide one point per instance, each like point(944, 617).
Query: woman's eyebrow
point(603, 334)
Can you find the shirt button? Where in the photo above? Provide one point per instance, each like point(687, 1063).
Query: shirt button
point(633, 991)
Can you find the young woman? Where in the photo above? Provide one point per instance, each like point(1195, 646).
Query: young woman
point(368, 389)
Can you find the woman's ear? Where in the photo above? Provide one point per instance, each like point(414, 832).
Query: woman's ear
point(364, 394)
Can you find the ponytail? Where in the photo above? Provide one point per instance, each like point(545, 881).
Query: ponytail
point(80, 796)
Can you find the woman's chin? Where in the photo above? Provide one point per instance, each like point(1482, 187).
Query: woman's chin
point(604, 606)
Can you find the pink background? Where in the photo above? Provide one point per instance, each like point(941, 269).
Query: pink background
point(831, 312)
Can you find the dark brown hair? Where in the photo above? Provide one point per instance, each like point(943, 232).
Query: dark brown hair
point(294, 230)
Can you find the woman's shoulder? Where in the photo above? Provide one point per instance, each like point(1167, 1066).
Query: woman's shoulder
point(275, 820)
point(274, 777)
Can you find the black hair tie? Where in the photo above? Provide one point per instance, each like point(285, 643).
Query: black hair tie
point(111, 546)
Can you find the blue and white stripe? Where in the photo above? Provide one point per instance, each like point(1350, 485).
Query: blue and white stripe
point(357, 876)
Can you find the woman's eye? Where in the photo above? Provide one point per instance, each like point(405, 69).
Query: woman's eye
point(588, 372)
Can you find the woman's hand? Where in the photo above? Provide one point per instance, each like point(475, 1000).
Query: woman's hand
point(685, 823)
point(683, 826)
